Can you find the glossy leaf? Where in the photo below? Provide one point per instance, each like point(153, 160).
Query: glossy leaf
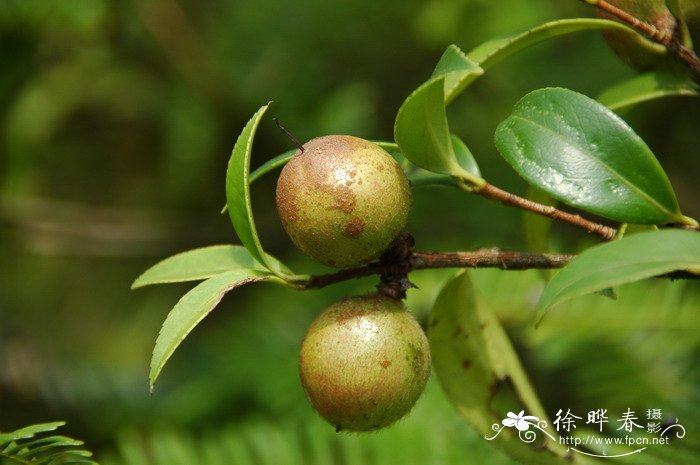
point(199, 264)
point(193, 307)
point(472, 357)
point(646, 87)
point(490, 53)
point(581, 153)
point(238, 193)
point(633, 258)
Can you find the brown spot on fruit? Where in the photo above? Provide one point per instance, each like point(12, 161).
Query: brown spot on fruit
point(354, 227)
point(344, 199)
point(385, 363)
point(333, 193)
point(466, 364)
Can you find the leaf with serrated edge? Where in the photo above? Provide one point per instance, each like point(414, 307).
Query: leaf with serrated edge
point(646, 87)
point(193, 307)
point(458, 71)
point(421, 129)
point(581, 153)
point(198, 264)
point(238, 193)
point(633, 258)
point(269, 165)
point(422, 132)
point(472, 356)
point(492, 52)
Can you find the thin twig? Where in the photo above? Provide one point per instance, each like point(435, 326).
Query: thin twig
point(484, 258)
point(671, 41)
point(506, 198)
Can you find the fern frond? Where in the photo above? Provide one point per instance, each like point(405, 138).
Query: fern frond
point(31, 446)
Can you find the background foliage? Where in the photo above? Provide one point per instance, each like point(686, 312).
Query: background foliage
point(116, 122)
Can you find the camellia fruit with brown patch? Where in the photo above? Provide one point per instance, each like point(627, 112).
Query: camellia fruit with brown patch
point(343, 200)
point(364, 362)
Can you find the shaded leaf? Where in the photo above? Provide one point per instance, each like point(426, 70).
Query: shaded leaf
point(29, 445)
point(581, 153)
point(193, 307)
point(464, 156)
point(630, 259)
point(238, 193)
point(474, 359)
point(646, 87)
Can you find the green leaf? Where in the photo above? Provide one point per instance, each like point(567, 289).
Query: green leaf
point(421, 129)
point(238, 193)
point(646, 87)
point(490, 53)
point(198, 264)
point(30, 431)
point(464, 156)
point(193, 307)
point(632, 258)
point(458, 71)
point(269, 165)
point(422, 132)
point(581, 153)
point(472, 357)
point(27, 445)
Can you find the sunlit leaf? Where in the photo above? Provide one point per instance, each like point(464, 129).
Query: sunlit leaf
point(193, 307)
point(458, 71)
point(646, 87)
point(238, 193)
point(581, 153)
point(474, 360)
point(421, 129)
point(271, 164)
point(422, 132)
point(490, 53)
point(199, 264)
point(630, 259)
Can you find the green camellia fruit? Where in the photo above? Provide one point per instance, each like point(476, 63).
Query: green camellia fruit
point(343, 200)
point(364, 362)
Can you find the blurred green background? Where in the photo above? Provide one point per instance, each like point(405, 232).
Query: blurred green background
point(116, 122)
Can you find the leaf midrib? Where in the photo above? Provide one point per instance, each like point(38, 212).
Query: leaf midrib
point(615, 174)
